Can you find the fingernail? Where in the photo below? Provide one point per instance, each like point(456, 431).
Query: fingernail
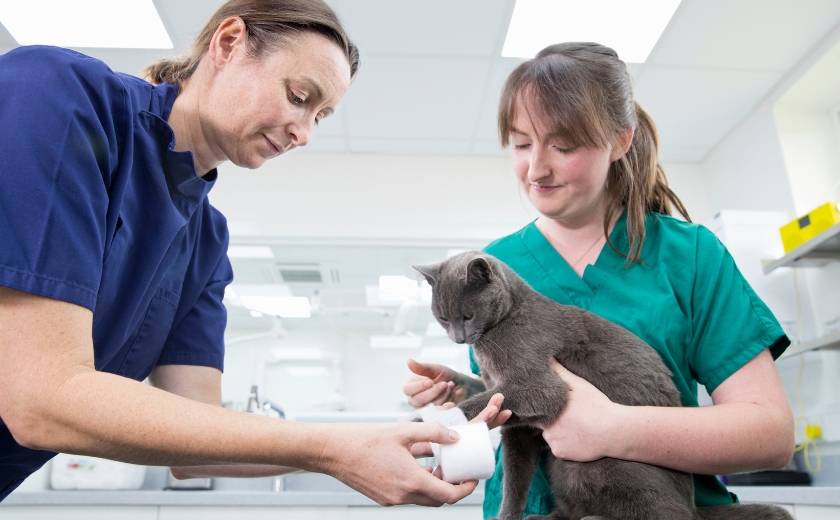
point(443, 386)
point(427, 383)
point(453, 435)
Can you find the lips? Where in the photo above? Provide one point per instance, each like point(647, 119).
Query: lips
point(277, 150)
point(544, 189)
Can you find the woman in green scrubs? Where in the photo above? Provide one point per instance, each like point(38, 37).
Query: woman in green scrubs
point(586, 156)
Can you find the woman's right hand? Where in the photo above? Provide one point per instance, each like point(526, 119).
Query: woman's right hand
point(432, 384)
point(377, 460)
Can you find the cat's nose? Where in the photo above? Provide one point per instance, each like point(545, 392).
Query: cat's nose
point(460, 336)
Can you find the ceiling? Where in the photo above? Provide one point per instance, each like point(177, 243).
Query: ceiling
point(432, 71)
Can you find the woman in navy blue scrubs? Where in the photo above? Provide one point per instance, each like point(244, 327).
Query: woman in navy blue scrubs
point(113, 263)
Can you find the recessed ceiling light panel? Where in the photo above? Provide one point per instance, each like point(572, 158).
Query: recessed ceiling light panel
point(128, 24)
point(631, 27)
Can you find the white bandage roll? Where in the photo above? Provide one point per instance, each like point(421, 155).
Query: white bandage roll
point(471, 458)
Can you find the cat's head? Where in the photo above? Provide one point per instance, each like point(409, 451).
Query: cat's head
point(470, 294)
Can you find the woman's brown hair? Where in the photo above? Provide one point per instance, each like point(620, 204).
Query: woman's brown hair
point(269, 23)
point(582, 93)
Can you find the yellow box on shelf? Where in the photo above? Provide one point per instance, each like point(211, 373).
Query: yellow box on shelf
point(806, 227)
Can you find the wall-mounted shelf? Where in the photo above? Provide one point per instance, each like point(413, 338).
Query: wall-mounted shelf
point(829, 342)
point(817, 252)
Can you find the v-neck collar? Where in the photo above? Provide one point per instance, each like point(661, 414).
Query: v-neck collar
point(581, 290)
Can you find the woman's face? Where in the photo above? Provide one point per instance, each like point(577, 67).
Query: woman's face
point(256, 109)
point(562, 182)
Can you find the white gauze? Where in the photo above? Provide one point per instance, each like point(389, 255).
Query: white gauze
point(471, 458)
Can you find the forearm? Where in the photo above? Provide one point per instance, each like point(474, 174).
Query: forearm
point(720, 439)
point(145, 425)
point(232, 471)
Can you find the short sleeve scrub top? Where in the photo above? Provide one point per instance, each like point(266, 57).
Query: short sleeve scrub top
point(98, 210)
point(686, 299)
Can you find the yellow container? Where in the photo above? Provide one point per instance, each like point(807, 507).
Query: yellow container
point(806, 227)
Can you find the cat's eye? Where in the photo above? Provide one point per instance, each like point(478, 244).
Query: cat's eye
point(443, 319)
point(468, 317)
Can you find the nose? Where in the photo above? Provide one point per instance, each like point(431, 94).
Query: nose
point(459, 336)
point(539, 167)
point(299, 132)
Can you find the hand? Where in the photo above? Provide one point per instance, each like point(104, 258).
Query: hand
point(491, 415)
point(376, 460)
point(583, 432)
point(433, 384)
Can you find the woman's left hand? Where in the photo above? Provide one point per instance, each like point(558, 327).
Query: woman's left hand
point(585, 430)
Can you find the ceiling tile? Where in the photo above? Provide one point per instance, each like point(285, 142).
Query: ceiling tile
point(428, 28)
point(184, 19)
point(698, 107)
point(409, 97)
point(411, 146)
point(747, 34)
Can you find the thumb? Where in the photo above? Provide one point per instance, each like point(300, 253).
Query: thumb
point(432, 432)
point(429, 370)
point(561, 371)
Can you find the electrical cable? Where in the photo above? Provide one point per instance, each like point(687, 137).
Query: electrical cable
point(811, 432)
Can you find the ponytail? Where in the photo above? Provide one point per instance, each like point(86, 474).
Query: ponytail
point(636, 183)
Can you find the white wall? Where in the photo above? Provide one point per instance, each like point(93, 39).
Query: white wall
point(401, 197)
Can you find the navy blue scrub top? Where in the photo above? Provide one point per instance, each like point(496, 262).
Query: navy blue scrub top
point(96, 209)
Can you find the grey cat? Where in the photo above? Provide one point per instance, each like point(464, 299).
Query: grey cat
point(514, 331)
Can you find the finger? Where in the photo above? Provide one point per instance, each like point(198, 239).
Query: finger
point(438, 472)
point(421, 449)
point(430, 432)
point(440, 492)
point(416, 384)
point(500, 419)
point(446, 406)
point(429, 396)
point(491, 410)
point(446, 395)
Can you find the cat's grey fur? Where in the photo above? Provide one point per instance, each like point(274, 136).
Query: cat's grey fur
point(514, 331)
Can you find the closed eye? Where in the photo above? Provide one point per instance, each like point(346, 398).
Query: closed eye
point(468, 317)
point(441, 318)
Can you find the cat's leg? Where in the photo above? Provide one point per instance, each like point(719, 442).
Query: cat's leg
point(539, 402)
point(555, 515)
point(522, 447)
point(474, 405)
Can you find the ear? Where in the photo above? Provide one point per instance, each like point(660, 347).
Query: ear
point(625, 139)
point(229, 36)
point(478, 271)
point(430, 272)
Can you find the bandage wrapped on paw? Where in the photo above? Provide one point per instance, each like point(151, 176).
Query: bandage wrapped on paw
point(471, 458)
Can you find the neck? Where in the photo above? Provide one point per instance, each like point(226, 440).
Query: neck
point(185, 121)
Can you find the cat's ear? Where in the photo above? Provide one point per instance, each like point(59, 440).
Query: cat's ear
point(430, 272)
point(479, 272)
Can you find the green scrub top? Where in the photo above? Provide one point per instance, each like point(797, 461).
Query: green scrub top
point(686, 299)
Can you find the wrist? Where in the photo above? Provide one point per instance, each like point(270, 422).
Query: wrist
point(621, 432)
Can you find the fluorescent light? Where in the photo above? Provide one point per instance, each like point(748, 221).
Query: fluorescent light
point(283, 306)
point(127, 24)
point(397, 288)
point(257, 314)
point(630, 27)
point(396, 341)
point(250, 252)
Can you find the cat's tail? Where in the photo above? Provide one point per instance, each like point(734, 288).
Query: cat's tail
point(744, 512)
